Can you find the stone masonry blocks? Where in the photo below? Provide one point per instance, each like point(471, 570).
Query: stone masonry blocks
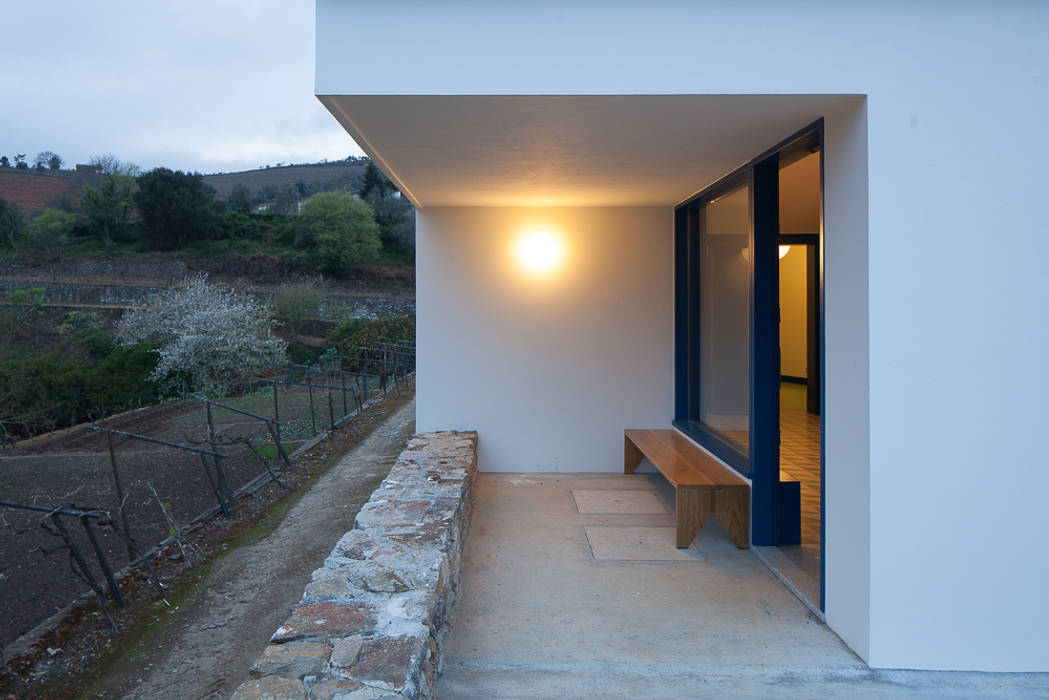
point(371, 622)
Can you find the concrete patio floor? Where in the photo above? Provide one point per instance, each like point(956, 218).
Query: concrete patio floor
point(559, 599)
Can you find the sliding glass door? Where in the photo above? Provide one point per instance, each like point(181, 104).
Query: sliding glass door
point(727, 319)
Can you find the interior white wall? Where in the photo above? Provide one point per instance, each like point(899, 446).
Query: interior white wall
point(548, 369)
point(935, 525)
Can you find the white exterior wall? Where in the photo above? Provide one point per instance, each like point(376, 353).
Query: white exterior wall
point(548, 369)
point(935, 294)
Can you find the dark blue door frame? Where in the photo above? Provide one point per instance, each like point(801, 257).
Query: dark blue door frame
point(766, 505)
point(770, 516)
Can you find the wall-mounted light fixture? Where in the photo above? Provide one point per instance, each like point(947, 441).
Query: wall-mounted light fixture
point(539, 251)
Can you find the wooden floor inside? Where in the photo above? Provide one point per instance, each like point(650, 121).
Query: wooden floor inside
point(799, 458)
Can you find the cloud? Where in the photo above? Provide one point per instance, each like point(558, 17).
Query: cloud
point(191, 84)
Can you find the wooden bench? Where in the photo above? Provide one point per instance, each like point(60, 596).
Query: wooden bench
point(702, 486)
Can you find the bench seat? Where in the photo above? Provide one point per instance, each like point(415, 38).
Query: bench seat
point(702, 486)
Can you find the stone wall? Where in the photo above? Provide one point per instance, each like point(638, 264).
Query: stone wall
point(334, 307)
point(371, 623)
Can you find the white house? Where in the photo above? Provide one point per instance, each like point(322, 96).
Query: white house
point(666, 151)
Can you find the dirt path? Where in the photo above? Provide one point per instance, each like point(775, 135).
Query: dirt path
point(205, 649)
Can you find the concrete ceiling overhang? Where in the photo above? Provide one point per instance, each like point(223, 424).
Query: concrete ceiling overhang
point(566, 150)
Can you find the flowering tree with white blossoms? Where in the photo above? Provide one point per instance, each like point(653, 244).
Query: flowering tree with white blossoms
point(212, 337)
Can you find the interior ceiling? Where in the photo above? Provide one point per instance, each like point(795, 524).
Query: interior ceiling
point(566, 150)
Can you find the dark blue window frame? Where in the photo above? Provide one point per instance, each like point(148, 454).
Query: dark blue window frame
point(761, 463)
point(687, 314)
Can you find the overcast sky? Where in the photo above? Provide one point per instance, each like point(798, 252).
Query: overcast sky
point(207, 85)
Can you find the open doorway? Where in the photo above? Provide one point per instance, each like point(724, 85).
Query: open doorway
point(800, 271)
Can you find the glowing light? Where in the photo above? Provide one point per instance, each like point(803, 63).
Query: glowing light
point(783, 250)
point(540, 251)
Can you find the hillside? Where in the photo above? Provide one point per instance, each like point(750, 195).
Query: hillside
point(255, 180)
point(33, 190)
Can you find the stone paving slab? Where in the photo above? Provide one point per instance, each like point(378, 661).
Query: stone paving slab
point(637, 544)
point(617, 501)
point(371, 622)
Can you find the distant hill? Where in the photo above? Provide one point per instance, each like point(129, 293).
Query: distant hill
point(34, 190)
point(254, 180)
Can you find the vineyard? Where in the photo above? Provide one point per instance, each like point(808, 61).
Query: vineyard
point(79, 505)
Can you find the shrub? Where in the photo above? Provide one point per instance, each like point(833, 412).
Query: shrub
point(23, 313)
point(47, 233)
point(121, 378)
point(302, 354)
point(370, 333)
point(41, 391)
point(78, 326)
point(211, 337)
point(296, 303)
point(11, 224)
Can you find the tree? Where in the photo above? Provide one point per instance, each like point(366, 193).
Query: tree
point(341, 228)
point(214, 338)
point(266, 194)
point(286, 202)
point(20, 163)
point(109, 164)
point(107, 207)
point(11, 223)
point(47, 160)
point(176, 207)
point(5, 162)
point(47, 232)
point(374, 182)
point(396, 218)
point(240, 198)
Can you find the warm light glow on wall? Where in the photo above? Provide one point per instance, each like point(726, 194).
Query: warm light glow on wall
point(539, 251)
point(783, 250)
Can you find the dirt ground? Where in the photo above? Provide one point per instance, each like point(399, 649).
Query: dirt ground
point(71, 468)
point(78, 652)
point(205, 647)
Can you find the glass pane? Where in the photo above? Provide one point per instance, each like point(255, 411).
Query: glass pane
point(724, 317)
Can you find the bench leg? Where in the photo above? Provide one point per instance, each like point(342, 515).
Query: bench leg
point(631, 456)
point(732, 509)
point(693, 508)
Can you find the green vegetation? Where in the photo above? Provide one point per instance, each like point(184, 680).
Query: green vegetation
point(46, 234)
point(342, 228)
point(239, 199)
point(108, 207)
point(57, 375)
point(11, 224)
point(322, 226)
point(270, 453)
point(176, 208)
point(294, 304)
point(370, 333)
